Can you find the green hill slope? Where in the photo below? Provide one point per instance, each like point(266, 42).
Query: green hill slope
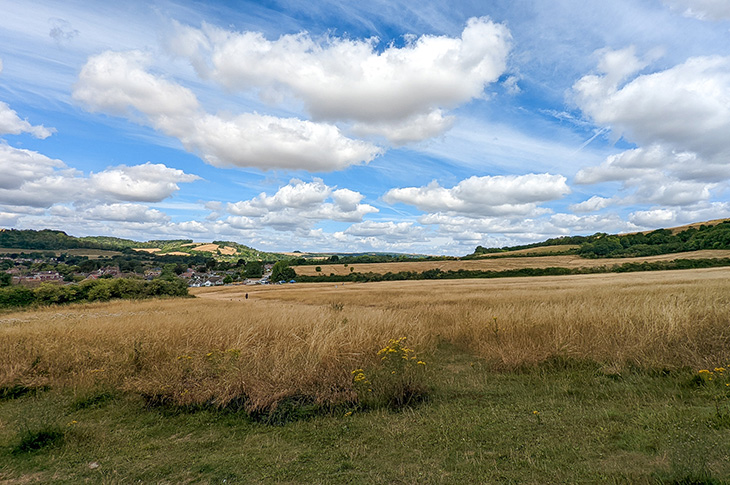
point(47, 239)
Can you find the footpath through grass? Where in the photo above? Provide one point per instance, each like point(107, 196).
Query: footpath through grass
point(560, 422)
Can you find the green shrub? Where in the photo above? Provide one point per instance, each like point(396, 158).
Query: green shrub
point(16, 296)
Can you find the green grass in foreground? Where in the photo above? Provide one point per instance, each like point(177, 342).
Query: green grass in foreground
point(478, 426)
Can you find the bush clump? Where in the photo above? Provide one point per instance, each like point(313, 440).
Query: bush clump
point(89, 291)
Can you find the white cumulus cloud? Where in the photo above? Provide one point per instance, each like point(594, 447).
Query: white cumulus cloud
point(149, 182)
point(389, 231)
point(119, 83)
point(418, 127)
point(299, 205)
point(674, 216)
point(343, 79)
point(11, 124)
point(485, 196)
point(125, 213)
point(34, 180)
point(679, 117)
point(684, 108)
point(593, 204)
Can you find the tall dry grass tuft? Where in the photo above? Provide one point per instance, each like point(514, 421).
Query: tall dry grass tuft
point(658, 319)
point(198, 352)
point(304, 341)
point(616, 325)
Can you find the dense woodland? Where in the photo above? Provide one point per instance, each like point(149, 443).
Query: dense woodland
point(94, 290)
point(661, 241)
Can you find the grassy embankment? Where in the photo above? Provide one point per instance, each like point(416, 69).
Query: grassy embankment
point(584, 378)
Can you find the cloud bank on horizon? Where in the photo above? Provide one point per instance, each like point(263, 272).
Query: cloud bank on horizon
point(345, 127)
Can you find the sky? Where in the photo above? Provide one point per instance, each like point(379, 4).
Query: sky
point(394, 126)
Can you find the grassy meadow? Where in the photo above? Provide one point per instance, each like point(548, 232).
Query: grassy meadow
point(590, 378)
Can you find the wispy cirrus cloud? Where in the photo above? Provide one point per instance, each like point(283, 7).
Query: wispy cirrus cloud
point(702, 9)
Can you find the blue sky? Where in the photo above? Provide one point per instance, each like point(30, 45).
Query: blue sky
point(425, 127)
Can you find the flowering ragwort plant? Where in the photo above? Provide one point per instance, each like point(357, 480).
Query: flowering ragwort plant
point(398, 381)
point(717, 381)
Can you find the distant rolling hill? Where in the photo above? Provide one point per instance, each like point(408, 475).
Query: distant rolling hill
point(51, 240)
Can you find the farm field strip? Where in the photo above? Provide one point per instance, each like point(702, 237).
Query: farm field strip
point(501, 263)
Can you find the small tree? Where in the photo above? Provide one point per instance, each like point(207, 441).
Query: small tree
point(254, 269)
point(168, 272)
point(282, 272)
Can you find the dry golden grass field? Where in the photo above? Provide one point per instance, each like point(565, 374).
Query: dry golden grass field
point(306, 339)
point(147, 250)
point(212, 248)
point(501, 263)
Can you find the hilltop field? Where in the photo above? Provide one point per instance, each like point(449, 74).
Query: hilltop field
point(586, 378)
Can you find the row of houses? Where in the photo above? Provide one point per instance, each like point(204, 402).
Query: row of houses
point(195, 279)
